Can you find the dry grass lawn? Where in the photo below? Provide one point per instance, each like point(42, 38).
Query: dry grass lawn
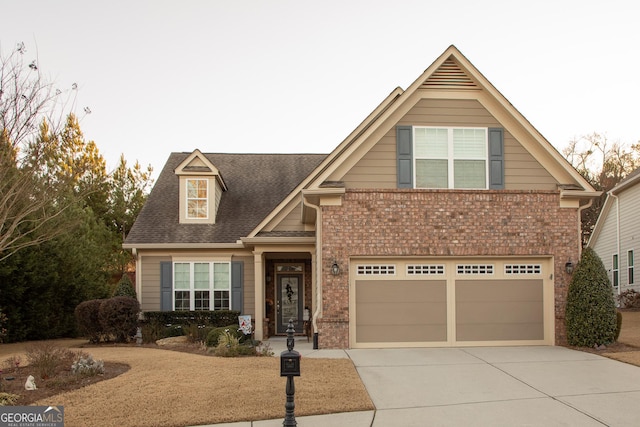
point(172, 388)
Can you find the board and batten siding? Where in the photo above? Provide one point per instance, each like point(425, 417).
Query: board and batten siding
point(150, 276)
point(377, 168)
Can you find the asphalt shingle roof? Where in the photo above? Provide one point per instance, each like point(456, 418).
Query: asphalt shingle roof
point(256, 183)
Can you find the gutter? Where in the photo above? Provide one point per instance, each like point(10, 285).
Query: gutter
point(617, 240)
point(318, 310)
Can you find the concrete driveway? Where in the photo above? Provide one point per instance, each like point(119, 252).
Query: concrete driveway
point(498, 386)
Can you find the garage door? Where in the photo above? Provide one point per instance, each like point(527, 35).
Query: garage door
point(452, 302)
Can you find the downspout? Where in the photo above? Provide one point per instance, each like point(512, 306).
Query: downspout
point(618, 241)
point(318, 310)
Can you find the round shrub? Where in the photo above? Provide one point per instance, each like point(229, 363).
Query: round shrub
point(125, 288)
point(591, 311)
point(119, 317)
point(214, 335)
point(88, 320)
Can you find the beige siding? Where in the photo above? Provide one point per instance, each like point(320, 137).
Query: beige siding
point(150, 276)
point(629, 234)
point(291, 222)
point(377, 168)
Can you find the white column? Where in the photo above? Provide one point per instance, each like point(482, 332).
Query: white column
point(258, 270)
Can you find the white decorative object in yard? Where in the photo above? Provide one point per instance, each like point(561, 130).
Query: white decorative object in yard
point(30, 384)
point(245, 324)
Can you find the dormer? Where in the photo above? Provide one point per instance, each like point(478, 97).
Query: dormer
point(201, 188)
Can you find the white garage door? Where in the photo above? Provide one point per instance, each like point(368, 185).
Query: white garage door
point(451, 302)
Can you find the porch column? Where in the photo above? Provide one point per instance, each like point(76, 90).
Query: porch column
point(258, 269)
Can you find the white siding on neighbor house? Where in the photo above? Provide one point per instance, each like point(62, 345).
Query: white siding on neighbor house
point(606, 243)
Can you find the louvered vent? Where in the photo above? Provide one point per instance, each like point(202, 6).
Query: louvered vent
point(450, 75)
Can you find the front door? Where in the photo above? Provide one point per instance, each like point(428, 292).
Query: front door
point(289, 302)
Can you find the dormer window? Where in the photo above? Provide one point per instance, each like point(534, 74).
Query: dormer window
point(197, 199)
point(201, 188)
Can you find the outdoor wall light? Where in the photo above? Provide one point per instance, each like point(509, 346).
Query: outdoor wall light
point(569, 267)
point(335, 268)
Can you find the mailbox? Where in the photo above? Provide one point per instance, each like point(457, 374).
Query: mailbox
point(290, 364)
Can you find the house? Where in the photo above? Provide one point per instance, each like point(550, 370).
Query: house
point(444, 219)
point(615, 234)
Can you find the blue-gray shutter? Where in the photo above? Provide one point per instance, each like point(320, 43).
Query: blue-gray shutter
point(404, 143)
point(166, 285)
point(237, 280)
point(496, 159)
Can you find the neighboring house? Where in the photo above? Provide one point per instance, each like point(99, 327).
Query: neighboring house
point(616, 235)
point(444, 219)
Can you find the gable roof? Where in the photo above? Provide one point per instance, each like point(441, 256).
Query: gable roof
point(450, 76)
point(256, 183)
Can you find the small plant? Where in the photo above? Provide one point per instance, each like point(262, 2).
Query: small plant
point(12, 364)
point(8, 399)
point(264, 350)
point(87, 366)
point(125, 287)
point(3, 330)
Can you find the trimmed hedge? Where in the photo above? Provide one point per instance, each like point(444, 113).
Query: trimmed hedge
point(88, 320)
point(217, 318)
point(591, 311)
point(119, 317)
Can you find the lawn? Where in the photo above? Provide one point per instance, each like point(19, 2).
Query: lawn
point(178, 388)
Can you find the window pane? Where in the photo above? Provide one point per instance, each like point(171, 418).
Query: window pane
point(221, 300)
point(181, 275)
point(432, 174)
point(197, 198)
point(469, 174)
point(197, 208)
point(201, 300)
point(182, 300)
point(469, 143)
point(431, 143)
point(221, 277)
point(201, 275)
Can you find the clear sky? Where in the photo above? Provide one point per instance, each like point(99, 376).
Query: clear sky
point(290, 76)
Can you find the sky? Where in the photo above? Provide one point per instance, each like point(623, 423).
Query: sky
point(297, 76)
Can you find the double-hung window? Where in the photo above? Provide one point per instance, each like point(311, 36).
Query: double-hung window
point(615, 271)
point(197, 199)
point(450, 157)
point(202, 286)
point(630, 267)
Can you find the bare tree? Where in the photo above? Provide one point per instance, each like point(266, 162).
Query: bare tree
point(604, 164)
point(39, 181)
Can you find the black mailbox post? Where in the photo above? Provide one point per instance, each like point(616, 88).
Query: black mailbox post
point(290, 367)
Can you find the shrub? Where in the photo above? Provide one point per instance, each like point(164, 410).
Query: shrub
point(119, 317)
point(590, 312)
point(88, 320)
point(229, 345)
point(125, 288)
point(87, 366)
point(214, 334)
point(48, 359)
point(217, 318)
point(629, 299)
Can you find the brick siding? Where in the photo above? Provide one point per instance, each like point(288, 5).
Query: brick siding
point(451, 223)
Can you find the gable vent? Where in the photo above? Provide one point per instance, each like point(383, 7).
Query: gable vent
point(450, 75)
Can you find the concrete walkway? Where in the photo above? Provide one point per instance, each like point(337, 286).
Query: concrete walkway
point(484, 386)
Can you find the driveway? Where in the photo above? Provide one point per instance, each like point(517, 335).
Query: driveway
point(498, 386)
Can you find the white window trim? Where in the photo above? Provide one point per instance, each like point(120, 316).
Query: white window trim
point(450, 157)
point(192, 290)
point(187, 198)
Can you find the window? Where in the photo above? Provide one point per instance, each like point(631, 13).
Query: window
point(522, 269)
point(376, 269)
point(202, 286)
point(630, 267)
point(450, 157)
point(474, 269)
point(197, 200)
point(615, 271)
